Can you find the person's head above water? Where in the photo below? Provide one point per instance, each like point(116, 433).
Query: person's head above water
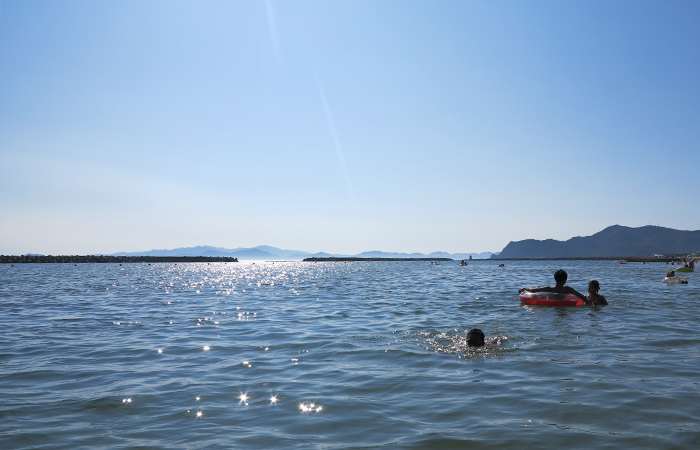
point(670, 274)
point(475, 338)
point(593, 286)
point(560, 276)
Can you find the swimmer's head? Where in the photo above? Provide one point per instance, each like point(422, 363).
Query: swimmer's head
point(670, 273)
point(593, 286)
point(560, 276)
point(475, 338)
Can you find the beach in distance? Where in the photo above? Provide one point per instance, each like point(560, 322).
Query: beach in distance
point(345, 355)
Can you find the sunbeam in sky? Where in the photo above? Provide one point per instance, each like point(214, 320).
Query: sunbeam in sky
point(273, 28)
point(342, 126)
point(336, 141)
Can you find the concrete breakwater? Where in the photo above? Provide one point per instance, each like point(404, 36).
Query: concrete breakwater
point(631, 259)
point(375, 259)
point(77, 259)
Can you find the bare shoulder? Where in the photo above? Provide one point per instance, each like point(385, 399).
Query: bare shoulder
point(596, 300)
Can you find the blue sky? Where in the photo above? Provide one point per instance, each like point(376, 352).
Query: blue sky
point(344, 126)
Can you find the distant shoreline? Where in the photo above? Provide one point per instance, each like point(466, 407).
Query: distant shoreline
point(76, 259)
point(631, 259)
point(332, 259)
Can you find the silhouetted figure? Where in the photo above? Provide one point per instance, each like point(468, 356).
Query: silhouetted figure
point(593, 298)
point(560, 277)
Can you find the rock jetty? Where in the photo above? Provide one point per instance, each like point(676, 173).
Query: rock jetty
point(76, 259)
point(316, 259)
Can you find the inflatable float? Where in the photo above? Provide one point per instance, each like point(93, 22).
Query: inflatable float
point(684, 269)
point(675, 280)
point(549, 299)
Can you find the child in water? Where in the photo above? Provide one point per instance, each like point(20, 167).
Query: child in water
point(475, 338)
point(593, 298)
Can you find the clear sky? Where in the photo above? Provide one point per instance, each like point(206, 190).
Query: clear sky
point(344, 126)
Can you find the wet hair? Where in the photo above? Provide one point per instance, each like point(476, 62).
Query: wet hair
point(671, 273)
point(560, 276)
point(594, 284)
point(475, 338)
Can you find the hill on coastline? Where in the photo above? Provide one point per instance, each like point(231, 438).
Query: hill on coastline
point(614, 241)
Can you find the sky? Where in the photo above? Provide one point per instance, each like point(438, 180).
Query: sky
point(344, 126)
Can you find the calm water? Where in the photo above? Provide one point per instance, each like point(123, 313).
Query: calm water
point(357, 355)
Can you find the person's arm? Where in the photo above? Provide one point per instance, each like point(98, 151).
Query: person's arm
point(494, 340)
point(573, 291)
point(533, 289)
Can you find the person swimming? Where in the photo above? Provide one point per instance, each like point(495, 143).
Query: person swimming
point(560, 277)
point(593, 298)
point(476, 338)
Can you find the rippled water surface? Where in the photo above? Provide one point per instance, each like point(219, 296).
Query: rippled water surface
point(344, 355)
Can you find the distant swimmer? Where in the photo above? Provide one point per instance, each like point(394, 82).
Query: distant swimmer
point(560, 287)
point(475, 338)
point(593, 298)
point(671, 278)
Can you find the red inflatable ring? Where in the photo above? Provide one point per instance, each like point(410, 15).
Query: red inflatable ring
point(549, 299)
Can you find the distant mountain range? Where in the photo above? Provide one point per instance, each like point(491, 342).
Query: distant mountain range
point(265, 252)
point(614, 241)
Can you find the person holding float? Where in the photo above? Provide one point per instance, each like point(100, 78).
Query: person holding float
point(687, 266)
point(557, 295)
point(671, 278)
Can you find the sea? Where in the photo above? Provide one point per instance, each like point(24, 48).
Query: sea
point(345, 355)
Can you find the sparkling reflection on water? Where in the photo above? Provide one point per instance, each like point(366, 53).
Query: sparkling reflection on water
point(338, 355)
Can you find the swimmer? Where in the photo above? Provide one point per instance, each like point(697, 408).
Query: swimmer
point(475, 338)
point(671, 278)
point(593, 298)
point(560, 287)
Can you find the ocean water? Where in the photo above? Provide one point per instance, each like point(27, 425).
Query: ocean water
point(295, 355)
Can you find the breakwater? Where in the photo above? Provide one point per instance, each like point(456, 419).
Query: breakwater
point(78, 259)
point(665, 258)
point(374, 259)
